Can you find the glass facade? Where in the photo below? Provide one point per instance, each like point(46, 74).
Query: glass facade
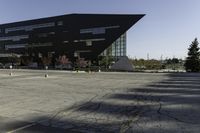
point(117, 49)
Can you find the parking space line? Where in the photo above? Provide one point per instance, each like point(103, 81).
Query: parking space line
point(21, 128)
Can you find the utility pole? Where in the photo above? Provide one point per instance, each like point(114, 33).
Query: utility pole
point(161, 58)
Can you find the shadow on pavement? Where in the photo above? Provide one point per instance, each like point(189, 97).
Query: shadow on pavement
point(174, 99)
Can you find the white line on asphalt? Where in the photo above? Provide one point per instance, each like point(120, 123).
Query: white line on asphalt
point(21, 128)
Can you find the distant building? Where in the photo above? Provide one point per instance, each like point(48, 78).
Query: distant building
point(67, 39)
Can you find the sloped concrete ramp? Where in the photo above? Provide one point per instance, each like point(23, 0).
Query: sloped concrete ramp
point(123, 64)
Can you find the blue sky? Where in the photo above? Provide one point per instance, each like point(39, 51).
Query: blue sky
point(168, 28)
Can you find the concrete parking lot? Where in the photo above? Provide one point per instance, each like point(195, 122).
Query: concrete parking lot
point(99, 102)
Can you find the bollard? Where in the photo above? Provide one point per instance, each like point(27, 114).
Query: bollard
point(46, 74)
point(99, 69)
point(89, 72)
point(11, 74)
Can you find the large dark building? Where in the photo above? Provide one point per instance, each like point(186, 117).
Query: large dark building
point(66, 39)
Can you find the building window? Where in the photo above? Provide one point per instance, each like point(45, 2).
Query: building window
point(88, 43)
point(90, 40)
point(42, 35)
point(60, 23)
point(94, 31)
point(14, 46)
point(40, 44)
point(97, 30)
point(29, 27)
point(14, 38)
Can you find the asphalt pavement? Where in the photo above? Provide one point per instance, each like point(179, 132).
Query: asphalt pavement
point(99, 102)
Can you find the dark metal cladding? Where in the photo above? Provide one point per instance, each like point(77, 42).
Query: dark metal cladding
point(86, 34)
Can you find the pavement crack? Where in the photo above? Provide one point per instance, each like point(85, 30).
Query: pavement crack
point(70, 110)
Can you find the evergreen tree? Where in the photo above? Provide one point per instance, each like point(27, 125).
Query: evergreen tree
point(192, 63)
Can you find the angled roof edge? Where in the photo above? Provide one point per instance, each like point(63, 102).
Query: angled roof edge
point(73, 14)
